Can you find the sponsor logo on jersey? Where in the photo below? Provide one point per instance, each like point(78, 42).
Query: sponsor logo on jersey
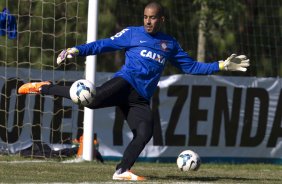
point(152, 55)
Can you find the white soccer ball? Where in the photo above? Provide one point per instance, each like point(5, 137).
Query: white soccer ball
point(188, 160)
point(82, 92)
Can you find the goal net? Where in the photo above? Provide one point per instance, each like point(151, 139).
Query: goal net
point(32, 34)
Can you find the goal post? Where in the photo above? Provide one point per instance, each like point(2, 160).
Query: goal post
point(90, 71)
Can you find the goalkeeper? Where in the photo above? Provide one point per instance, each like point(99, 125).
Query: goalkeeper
point(147, 50)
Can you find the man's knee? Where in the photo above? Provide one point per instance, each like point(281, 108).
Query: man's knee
point(145, 135)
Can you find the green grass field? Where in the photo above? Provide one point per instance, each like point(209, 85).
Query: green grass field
point(18, 170)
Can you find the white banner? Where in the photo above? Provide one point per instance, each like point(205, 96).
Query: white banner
point(221, 118)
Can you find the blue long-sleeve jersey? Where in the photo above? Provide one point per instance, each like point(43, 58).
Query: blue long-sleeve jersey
point(146, 56)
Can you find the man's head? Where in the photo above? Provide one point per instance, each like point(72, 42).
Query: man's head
point(153, 17)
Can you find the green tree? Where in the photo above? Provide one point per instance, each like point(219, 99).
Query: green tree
point(215, 28)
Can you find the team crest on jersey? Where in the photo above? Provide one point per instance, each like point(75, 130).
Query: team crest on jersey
point(163, 45)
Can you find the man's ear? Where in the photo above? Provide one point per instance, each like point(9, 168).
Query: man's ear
point(163, 19)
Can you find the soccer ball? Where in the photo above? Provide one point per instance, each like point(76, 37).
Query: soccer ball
point(188, 160)
point(82, 92)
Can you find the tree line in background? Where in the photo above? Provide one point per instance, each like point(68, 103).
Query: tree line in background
point(207, 29)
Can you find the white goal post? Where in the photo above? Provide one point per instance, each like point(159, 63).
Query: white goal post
point(90, 71)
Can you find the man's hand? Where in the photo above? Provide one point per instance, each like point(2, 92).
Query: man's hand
point(69, 53)
point(235, 63)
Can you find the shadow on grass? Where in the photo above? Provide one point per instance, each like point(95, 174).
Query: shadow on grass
point(208, 179)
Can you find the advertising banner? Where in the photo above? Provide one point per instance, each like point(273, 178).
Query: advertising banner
point(219, 117)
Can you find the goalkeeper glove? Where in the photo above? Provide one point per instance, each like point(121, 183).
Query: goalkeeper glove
point(67, 53)
point(235, 63)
